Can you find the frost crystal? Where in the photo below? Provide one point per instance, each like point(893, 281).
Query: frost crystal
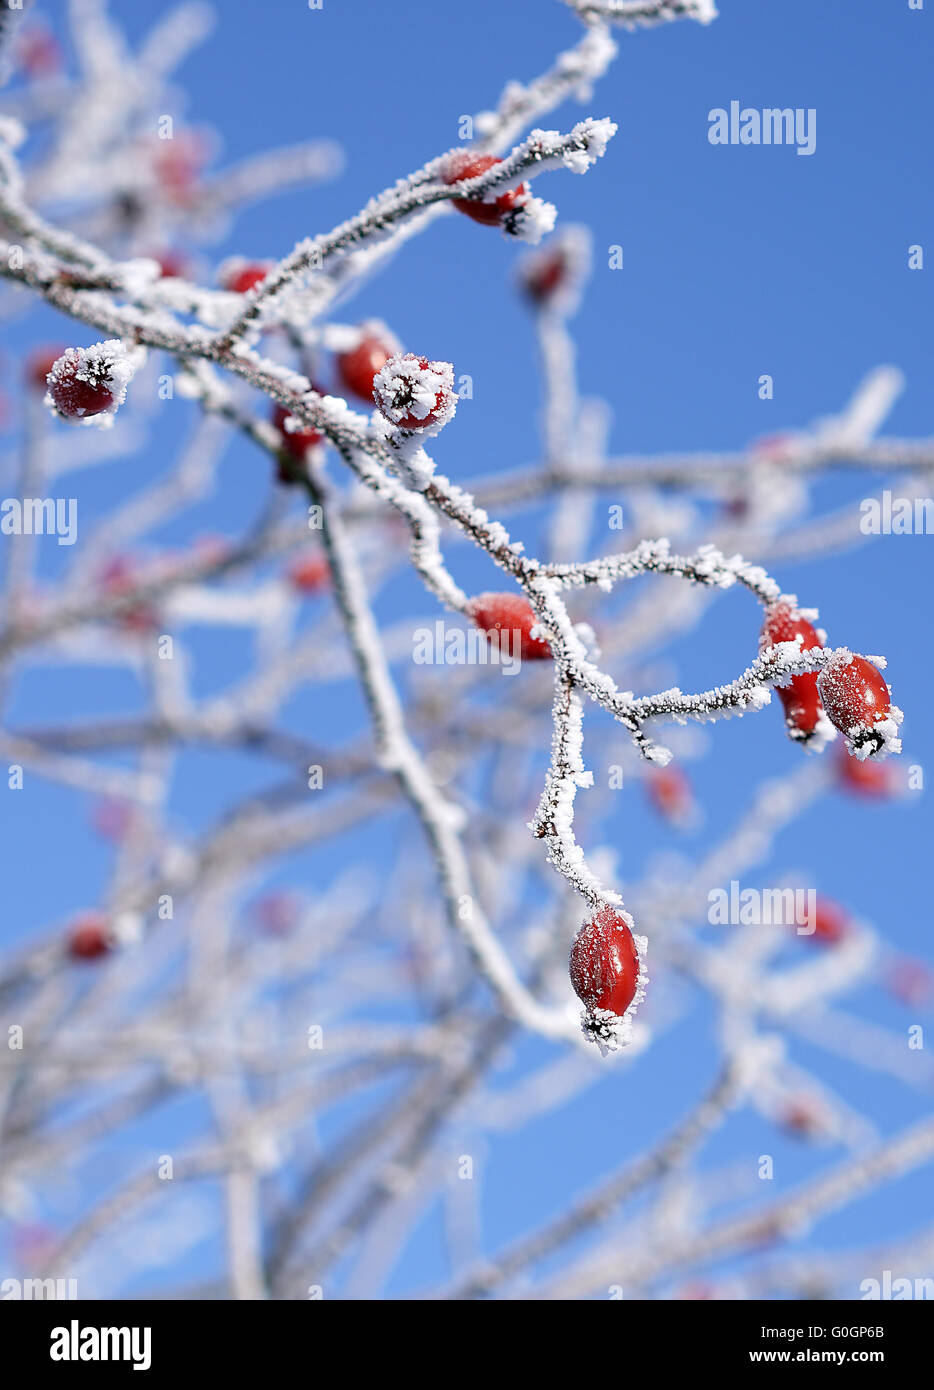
point(416, 394)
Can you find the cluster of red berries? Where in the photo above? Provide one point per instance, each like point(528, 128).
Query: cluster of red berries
point(849, 690)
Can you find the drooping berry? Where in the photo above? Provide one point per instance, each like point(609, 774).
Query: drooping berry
point(88, 937)
point(310, 573)
point(296, 443)
point(359, 365)
point(508, 620)
point(414, 393)
point(856, 699)
point(241, 276)
point(604, 964)
point(800, 698)
point(467, 165)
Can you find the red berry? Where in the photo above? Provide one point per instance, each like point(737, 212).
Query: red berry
point(88, 937)
point(177, 164)
point(118, 577)
point(546, 276)
point(111, 818)
point(669, 791)
point(310, 573)
point(800, 698)
point(414, 393)
point(803, 1117)
point(171, 264)
point(543, 276)
point(831, 923)
point(38, 52)
point(359, 366)
point(855, 697)
point(40, 363)
point(911, 982)
point(245, 278)
point(295, 442)
point(498, 614)
point(467, 165)
point(605, 963)
point(865, 776)
point(774, 447)
point(74, 397)
point(698, 1291)
point(278, 913)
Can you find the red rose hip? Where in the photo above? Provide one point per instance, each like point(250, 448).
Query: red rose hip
point(467, 165)
point(359, 366)
point(604, 963)
point(296, 443)
point(88, 937)
point(310, 573)
point(414, 393)
point(75, 396)
point(800, 698)
point(831, 923)
point(508, 619)
point(856, 699)
point(243, 278)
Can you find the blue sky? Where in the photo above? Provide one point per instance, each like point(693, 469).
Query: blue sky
point(738, 262)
